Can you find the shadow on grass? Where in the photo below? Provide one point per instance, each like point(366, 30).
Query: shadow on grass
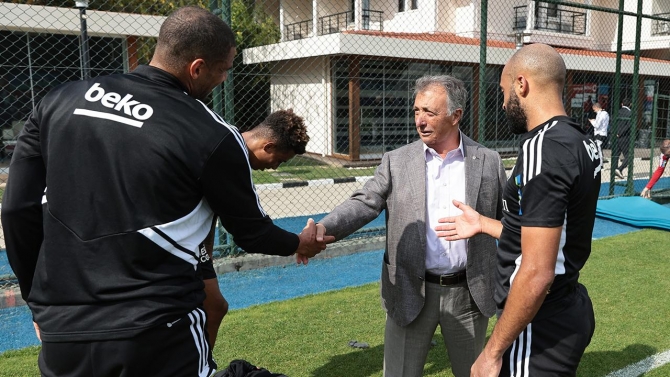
point(370, 361)
point(601, 363)
point(294, 170)
point(355, 363)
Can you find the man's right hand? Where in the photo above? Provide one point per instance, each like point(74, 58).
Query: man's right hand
point(312, 241)
point(646, 193)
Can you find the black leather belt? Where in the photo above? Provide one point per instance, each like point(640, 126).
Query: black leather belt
point(448, 279)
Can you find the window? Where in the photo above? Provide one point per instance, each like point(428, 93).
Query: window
point(415, 4)
point(552, 10)
point(386, 102)
point(401, 5)
point(546, 9)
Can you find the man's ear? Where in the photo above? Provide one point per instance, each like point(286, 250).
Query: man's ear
point(195, 68)
point(269, 147)
point(521, 86)
point(457, 114)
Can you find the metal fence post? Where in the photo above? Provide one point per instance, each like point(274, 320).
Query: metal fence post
point(630, 190)
point(83, 40)
point(228, 85)
point(216, 93)
point(614, 158)
point(481, 132)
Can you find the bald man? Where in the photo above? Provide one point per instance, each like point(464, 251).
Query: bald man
point(545, 316)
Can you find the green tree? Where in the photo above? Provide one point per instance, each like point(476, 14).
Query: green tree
point(253, 27)
point(251, 24)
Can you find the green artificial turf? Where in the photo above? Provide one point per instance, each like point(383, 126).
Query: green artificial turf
point(627, 278)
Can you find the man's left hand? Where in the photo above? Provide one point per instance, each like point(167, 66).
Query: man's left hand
point(37, 331)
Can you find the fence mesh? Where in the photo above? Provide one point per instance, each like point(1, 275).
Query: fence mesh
point(348, 67)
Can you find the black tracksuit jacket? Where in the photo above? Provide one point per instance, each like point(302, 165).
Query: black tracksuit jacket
point(113, 186)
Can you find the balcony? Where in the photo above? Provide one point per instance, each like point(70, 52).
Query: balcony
point(551, 18)
point(661, 27)
point(335, 23)
point(298, 30)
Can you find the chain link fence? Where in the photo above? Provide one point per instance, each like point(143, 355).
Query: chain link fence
point(348, 67)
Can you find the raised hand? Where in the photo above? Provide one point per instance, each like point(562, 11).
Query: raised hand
point(462, 226)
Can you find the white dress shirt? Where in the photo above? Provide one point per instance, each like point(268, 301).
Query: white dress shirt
point(445, 181)
point(601, 123)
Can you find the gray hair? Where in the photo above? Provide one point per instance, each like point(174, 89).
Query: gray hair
point(455, 89)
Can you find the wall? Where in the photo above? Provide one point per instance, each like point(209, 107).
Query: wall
point(421, 20)
point(304, 85)
point(500, 18)
point(296, 11)
point(455, 16)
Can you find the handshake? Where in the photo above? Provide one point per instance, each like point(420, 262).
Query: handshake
point(313, 240)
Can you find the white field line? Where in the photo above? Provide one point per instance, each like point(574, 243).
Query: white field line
point(644, 366)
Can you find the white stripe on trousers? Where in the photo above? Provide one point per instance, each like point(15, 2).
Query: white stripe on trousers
point(518, 366)
point(197, 317)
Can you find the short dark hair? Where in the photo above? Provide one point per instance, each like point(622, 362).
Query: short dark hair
point(190, 33)
point(625, 102)
point(287, 130)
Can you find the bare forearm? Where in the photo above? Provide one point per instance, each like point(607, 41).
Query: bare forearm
point(524, 300)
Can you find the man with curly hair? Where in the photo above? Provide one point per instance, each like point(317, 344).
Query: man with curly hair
point(277, 139)
point(280, 137)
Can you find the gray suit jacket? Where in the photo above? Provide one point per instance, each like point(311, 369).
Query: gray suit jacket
point(399, 187)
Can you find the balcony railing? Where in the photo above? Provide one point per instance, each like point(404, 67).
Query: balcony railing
point(334, 23)
point(520, 15)
point(661, 27)
point(552, 19)
point(298, 30)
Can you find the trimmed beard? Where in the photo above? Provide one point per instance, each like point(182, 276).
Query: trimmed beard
point(516, 117)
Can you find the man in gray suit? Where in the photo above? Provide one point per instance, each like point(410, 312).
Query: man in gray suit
point(426, 280)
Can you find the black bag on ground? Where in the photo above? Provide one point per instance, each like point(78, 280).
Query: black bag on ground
point(243, 368)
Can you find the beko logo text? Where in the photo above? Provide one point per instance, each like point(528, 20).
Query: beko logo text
point(114, 101)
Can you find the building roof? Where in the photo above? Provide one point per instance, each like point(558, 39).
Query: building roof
point(443, 37)
point(56, 20)
point(438, 47)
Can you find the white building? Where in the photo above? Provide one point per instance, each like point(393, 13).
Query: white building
point(348, 66)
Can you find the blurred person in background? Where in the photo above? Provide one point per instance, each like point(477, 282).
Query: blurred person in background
point(662, 163)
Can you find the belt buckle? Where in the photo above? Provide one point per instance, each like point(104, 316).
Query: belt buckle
point(446, 276)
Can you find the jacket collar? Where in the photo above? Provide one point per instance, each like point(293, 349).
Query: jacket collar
point(160, 76)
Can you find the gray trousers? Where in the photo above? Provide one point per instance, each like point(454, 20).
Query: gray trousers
point(463, 329)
